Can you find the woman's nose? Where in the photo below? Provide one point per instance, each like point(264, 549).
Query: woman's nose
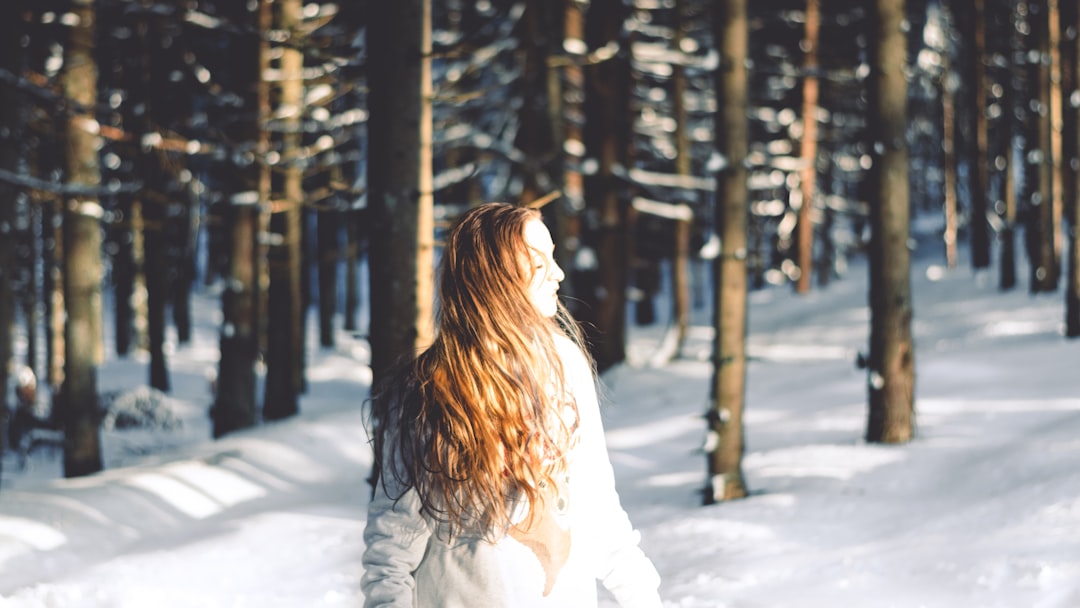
point(557, 274)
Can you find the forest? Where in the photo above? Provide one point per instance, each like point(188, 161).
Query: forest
point(280, 151)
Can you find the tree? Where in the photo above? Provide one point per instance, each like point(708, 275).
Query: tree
point(808, 146)
point(950, 83)
point(567, 109)
point(11, 63)
point(971, 16)
point(328, 224)
point(725, 417)
point(285, 308)
point(1072, 289)
point(1051, 215)
point(151, 202)
point(234, 399)
point(539, 34)
point(82, 251)
point(607, 129)
point(1044, 215)
point(400, 196)
point(1005, 37)
point(891, 368)
point(680, 259)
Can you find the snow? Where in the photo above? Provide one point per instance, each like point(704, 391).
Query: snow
point(981, 509)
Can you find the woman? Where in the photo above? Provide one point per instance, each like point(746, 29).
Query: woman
point(495, 488)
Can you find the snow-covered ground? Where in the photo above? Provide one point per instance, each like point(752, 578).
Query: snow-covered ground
point(981, 510)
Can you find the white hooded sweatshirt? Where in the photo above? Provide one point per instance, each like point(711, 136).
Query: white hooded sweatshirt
point(406, 564)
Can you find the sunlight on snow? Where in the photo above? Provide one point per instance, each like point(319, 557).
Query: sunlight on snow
point(631, 437)
point(833, 461)
point(674, 480)
point(32, 533)
point(999, 406)
point(199, 490)
point(801, 352)
point(1021, 328)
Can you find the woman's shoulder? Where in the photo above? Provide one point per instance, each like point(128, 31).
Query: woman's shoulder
point(569, 351)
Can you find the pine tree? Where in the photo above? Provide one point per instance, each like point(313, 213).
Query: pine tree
point(892, 358)
point(82, 251)
point(725, 417)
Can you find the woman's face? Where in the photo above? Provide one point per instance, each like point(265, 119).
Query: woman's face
point(546, 274)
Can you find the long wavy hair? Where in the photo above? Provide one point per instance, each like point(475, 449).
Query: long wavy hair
point(476, 424)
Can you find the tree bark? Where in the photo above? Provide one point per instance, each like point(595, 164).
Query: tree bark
point(607, 129)
point(536, 136)
point(82, 252)
point(329, 228)
point(1055, 103)
point(353, 220)
point(891, 370)
point(1040, 232)
point(680, 258)
point(152, 203)
point(399, 182)
point(808, 145)
point(10, 126)
point(971, 14)
point(123, 278)
point(949, 139)
point(234, 404)
point(156, 283)
point(184, 236)
point(566, 102)
point(1072, 289)
point(725, 417)
point(1007, 255)
point(53, 286)
point(284, 346)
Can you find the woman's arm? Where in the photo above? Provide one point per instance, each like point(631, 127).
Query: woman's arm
point(622, 567)
point(396, 537)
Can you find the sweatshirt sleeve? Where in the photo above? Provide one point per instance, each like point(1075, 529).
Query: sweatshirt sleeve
point(621, 566)
point(396, 538)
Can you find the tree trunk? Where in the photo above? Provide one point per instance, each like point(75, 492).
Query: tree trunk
point(949, 131)
point(972, 20)
point(680, 257)
point(53, 285)
point(184, 237)
point(536, 137)
point(1040, 233)
point(1069, 13)
point(725, 417)
point(156, 280)
point(140, 296)
point(123, 278)
point(1007, 261)
point(808, 146)
point(82, 253)
point(891, 367)
point(10, 126)
point(284, 346)
point(1072, 290)
point(156, 266)
point(399, 182)
point(352, 267)
point(1052, 224)
point(607, 128)
point(566, 102)
point(329, 228)
point(30, 300)
point(234, 404)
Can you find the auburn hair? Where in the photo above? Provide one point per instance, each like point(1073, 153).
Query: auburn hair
point(476, 423)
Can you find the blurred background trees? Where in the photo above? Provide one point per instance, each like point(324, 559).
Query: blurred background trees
point(306, 158)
